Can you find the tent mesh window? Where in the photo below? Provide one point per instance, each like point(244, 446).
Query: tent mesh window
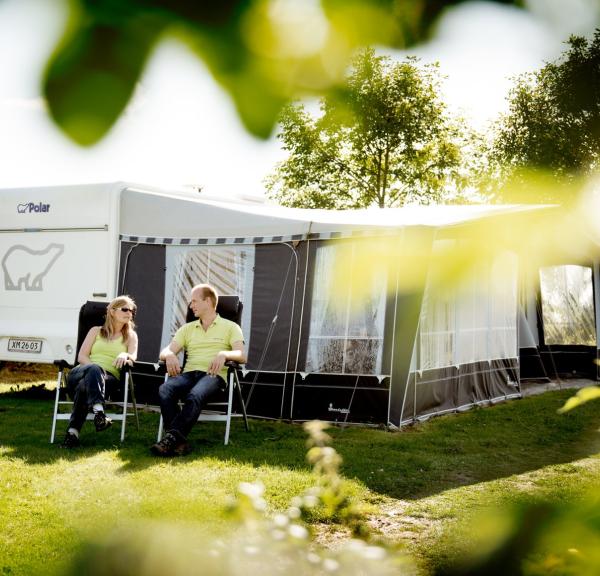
point(437, 324)
point(470, 318)
point(568, 305)
point(227, 268)
point(347, 310)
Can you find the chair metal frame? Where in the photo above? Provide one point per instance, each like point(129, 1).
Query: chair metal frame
point(211, 413)
point(229, 307)
point(64, 366)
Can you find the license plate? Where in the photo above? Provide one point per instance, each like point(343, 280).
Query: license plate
point(28, 345)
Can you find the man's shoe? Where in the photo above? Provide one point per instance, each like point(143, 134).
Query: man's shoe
point(102, 421)
point(170, 445)
point(182, 449)
point(70, 441)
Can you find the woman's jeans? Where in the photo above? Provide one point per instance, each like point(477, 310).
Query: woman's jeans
point(193, 388)
point(86, 385)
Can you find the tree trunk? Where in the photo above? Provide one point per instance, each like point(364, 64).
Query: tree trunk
point(385, 179)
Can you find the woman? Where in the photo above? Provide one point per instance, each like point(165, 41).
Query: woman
point(105, 350)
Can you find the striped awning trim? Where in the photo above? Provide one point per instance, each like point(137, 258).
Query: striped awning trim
point(260, 239)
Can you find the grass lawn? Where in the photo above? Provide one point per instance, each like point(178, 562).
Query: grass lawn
point(419, 485)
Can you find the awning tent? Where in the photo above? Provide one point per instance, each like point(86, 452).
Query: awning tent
point(390, 339)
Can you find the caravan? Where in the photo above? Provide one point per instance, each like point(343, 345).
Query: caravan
point(58, 248)
point(404, 346)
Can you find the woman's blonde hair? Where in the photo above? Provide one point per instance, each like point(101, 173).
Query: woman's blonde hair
point(108, 330)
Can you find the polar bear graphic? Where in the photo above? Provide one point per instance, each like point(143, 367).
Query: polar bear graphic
point(25, 268)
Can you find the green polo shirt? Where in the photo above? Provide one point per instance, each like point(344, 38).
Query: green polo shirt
point(202, 346)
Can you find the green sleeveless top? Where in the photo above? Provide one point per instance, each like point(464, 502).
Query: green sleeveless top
point(105, 351)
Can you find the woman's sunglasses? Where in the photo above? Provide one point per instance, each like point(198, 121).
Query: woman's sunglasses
point(125, 309)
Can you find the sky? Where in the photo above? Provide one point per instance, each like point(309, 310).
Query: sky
point(182, 129)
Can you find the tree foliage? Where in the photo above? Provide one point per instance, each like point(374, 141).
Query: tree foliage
point(264, 53)
point(553, 123)
point(382, 139)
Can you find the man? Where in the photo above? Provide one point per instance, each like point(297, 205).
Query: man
point(209, 342)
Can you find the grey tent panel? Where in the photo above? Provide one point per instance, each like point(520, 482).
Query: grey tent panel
point(454, 388)
point(142, 276)
point(275, 271)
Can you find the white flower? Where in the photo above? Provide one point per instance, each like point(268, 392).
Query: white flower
point(374, 553)
point(310, 501)
point(280, 520)
point(251, 489)
point(297, 531)
point(294, 512)
point(330, 564)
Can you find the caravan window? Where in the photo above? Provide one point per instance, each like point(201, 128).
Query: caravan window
point(568, 305)
point(347, 310)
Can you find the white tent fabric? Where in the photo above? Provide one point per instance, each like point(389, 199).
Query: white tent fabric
point(168, 215)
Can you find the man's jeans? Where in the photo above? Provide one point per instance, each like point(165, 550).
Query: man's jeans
point(86, 385)
point(193, 388)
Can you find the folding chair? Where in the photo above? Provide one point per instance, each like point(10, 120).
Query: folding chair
point(221, 410)
point(91, 314)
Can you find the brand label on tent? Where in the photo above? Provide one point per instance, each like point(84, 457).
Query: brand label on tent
point(340, 410)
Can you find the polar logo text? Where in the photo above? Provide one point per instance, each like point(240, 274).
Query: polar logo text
point(25, 269)
point(30, 207)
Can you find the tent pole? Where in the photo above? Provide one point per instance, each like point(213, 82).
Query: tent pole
point(301, 318)
point(596, 285)
point(409, 299)
point(272, 329)
point(392, 354)
point(287, 358)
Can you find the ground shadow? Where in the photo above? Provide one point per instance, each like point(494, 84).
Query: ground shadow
point(445, 452)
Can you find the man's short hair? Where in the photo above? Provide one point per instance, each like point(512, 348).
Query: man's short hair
point(209, 292)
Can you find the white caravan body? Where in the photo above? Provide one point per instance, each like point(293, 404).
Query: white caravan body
point(58, 248)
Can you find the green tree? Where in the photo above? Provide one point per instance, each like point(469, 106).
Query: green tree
point(553, 122)
point(382, 139)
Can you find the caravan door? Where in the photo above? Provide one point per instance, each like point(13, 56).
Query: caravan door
point(50, 265)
